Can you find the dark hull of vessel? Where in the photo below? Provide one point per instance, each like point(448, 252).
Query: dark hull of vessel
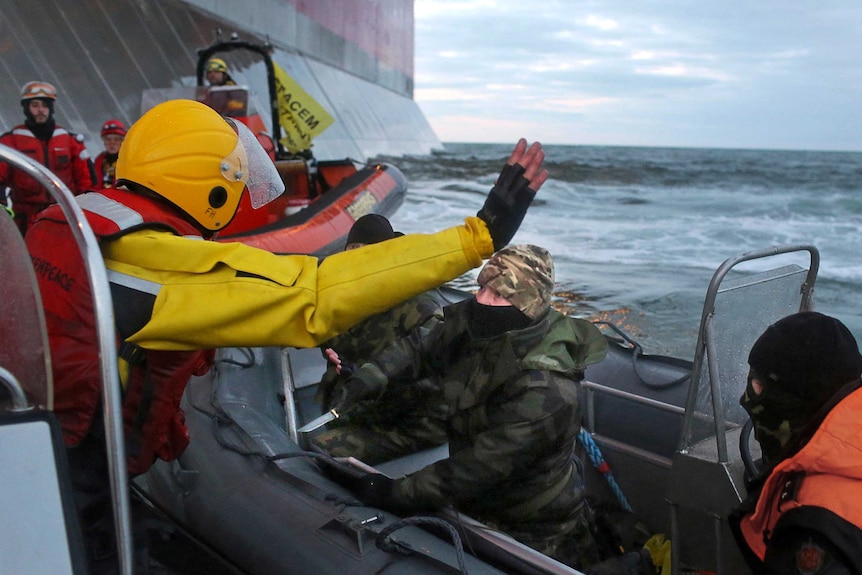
point(355, 58)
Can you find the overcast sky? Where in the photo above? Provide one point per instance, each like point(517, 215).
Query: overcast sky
point(706, 73)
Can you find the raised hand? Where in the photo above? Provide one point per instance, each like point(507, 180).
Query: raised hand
point(513, 192)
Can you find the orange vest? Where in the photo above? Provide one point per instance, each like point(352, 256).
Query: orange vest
point(826, 473)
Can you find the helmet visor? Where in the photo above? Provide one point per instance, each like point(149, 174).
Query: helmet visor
point(249, 163)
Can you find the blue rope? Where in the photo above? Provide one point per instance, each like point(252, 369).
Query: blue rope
point(599, 463)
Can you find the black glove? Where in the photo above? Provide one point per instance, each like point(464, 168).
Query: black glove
point(347, 368)
point(353, 391)
point(506, 205)
point(375, 489)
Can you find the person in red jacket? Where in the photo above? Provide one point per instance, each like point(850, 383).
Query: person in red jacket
point(181, 175)
point(113, 134)
point(52, 146)
point(803, 513)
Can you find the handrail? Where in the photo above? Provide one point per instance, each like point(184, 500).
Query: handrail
point(705, 336)
point(103, 312)
point(16, 391)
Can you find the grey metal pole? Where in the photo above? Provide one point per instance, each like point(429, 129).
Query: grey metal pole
point(103, 310)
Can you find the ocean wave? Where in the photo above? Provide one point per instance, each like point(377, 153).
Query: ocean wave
point(643, 229)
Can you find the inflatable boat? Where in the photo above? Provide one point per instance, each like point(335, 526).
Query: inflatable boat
point(667, 438)
point(317, 211)
point(668, 430)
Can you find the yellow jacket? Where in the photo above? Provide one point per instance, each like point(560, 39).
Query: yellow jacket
point(211, 294)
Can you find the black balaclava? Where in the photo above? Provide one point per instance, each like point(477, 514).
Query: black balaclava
point(524, 276)
point(490, 320)
point(370, 229)
point(41, 131)
point(802, 361)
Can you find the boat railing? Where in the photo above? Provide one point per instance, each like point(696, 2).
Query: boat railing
point(592, 389)
point(735, 312)
point(17, 398)
point(104, 321)
point(707, 480)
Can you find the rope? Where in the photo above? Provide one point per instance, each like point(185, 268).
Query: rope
point(637, 350)
point(602, 466)
point(385, 544)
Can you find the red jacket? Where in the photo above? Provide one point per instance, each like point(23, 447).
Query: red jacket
point(826, 474)
point(63, 154)
point(105, 171)
point(154, 383)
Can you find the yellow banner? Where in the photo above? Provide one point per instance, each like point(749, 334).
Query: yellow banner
point(299, 114)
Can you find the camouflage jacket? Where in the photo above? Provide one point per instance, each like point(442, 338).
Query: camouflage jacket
point(513, 415)
point(415, 317)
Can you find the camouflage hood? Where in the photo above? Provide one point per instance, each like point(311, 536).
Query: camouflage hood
point(553, 342)
point(571, 345)
point(523, 275)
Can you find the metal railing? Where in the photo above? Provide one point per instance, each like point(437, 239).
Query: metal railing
point(104, 320)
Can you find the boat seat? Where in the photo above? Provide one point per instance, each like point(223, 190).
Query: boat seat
point(39, 524)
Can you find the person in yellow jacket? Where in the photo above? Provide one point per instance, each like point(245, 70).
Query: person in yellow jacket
point(181, 172)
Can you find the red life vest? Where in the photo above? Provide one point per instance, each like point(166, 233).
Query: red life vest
point(832, 477)
point(105, 171)
point(153, 421)
point(63, 154)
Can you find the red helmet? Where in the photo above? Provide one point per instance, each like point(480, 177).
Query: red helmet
point(113, 127)
point(35, 90)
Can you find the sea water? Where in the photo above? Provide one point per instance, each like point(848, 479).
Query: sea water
point(637, 233)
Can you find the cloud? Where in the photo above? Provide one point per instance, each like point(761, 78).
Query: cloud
point(726, 74)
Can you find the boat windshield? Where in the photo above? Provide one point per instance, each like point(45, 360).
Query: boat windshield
point(743, 308)
point(23, 337)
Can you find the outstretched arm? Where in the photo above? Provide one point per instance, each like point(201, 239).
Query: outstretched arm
point(297, 300)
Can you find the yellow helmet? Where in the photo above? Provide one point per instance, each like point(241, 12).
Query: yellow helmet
point(216, 65)
point(185, 152)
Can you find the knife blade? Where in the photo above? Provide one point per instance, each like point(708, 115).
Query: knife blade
point(319, 421)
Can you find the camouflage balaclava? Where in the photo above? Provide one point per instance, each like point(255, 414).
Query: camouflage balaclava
point(523, 275)
point(801, 360)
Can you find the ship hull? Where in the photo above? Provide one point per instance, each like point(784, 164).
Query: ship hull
point(354, 58)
